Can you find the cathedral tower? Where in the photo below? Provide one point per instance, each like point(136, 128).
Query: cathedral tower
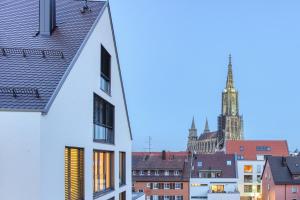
point(230, 123)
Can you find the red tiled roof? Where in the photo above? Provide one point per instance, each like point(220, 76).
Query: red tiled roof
point(249, 149)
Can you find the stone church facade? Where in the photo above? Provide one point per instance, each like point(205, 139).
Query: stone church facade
point(230, 122)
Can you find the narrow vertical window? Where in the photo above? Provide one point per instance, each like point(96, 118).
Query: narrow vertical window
point(105, 70)
point(74, 173)
point(103, 172)
point(122, 168)
point(103, 121)
point(122, 196)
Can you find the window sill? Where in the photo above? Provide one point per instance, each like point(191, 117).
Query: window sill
point(96, 195)
point(106, 92)
point(103, 142)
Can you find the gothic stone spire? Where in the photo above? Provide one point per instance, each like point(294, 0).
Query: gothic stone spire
point(229, 82)
point(206, 129)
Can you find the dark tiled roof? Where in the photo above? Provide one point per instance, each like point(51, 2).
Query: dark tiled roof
point(19, 24)
point(208, 135)
point(217, 161)
point(283, 173)
point(173, 161)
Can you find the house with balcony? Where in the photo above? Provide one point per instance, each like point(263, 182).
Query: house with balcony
point(281, 178)
point(214, 177)
point(251, 156)
point(65, 132)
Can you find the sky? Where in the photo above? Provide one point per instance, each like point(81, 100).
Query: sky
point(174, 57)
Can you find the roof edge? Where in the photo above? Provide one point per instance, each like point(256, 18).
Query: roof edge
point(70, 67)
point(120, 73)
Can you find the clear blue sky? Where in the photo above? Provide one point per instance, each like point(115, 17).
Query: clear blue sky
point(174, 58)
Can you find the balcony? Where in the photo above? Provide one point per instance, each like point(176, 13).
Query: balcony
point(103, 134)
point(223, 195)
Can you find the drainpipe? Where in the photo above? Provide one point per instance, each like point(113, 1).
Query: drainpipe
point(285, 191)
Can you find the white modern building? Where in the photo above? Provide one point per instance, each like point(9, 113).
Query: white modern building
point(214, 177)
point(249, 173)
point(65, 132)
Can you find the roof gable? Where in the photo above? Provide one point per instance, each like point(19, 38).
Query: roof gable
point(35, 70)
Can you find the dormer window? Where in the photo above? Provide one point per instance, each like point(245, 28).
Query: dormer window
point(133, 172)
point(141, 173)
point(167, 173)
point(149, 172)
point(105, 70)
point(156, 173)
point(228, 162)
point(176, 173)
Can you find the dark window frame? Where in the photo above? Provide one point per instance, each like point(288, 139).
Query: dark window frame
point(97, 194)
point(105, 120)
point(105, 74)
point(122, 168)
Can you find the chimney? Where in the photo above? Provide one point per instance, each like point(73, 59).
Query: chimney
point(283, 160)
point(164, 155)
point(47, 17)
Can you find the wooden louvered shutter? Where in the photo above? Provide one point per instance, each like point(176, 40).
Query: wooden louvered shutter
point(181, 185)
point(74, 174)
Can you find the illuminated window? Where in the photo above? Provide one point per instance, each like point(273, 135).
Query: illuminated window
point(248, 168)
point(217, 188)
point(74, 173)
point(103, 171)
point(122, 168)
point(105, 70)
point(122, 196)
point(258, 188)
point(103, 121)
point(247, 188)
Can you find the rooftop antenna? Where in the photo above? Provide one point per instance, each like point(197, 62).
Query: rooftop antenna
point(85, 7)
point(149, 148)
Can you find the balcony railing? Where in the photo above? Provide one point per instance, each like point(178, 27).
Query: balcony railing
point(103, 134)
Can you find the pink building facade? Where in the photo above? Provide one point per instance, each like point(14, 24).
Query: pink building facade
point(281, 179)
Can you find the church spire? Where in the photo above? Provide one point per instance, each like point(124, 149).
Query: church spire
point(206, 129)
point(229, 82)
point(193, 124)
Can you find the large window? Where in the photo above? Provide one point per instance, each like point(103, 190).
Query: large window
point(217, 188)
point(248, 178)
point(248, 168)
point(103, 120)
point(74, 173)
point(105, 70)
point(247, 188)
point(103, 171)
point(122, 168)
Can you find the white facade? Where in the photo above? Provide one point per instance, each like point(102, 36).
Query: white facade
point(205, 187)
point(32, 144)
point(250, 178)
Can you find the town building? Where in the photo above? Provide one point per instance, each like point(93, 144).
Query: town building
point(64, 132)
point(251, 156)
point(161, 175)
point(281, 178)
point(230, 122)
point(214, 177)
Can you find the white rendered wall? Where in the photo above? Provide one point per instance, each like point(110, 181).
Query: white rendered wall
point(240, 167)
point(20, 156)
point(69, 121)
